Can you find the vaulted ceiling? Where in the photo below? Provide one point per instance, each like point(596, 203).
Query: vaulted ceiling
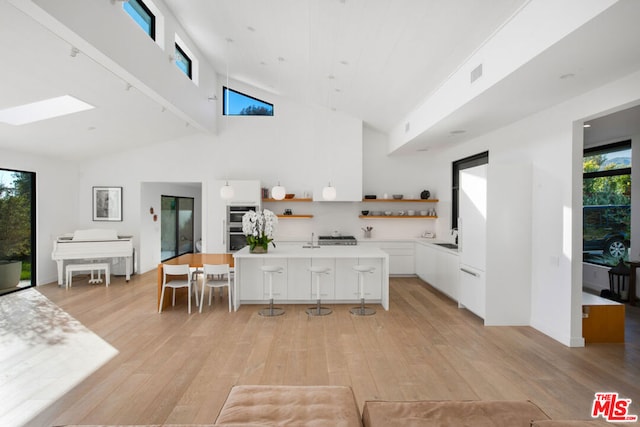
point(373, 59)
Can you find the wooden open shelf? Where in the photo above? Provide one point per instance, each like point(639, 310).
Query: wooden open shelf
point(401, 200)
point(396, 216)
point(288, 200)
point(295, 216)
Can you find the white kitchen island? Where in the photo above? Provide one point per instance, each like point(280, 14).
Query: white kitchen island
point(294, 285)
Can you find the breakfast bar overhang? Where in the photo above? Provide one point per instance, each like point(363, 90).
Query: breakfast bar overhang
point(294, 284)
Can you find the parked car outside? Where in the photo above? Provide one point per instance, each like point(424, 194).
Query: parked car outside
point(607, 229)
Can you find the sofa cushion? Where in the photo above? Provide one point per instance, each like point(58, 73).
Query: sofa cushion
point(290, 406)
point(570, 423)
point(451, 413)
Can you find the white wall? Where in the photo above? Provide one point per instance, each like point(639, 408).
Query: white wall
point(150, 231)
point(56, 204)
point(548, 142)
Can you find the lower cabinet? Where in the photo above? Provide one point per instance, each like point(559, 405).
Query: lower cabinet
point(297, 283)
point(473, 290)
point(439, 268)
point(402, 255)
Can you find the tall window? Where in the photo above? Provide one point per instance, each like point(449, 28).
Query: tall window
point(142, 15)
point(457, 166)
point(183, 61)
point(239, 104)
point(607, 203)
point(17, 230)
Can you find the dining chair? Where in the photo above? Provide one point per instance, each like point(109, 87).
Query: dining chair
point(177, 270)
point(216, 276)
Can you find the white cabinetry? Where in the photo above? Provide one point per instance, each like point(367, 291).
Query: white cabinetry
point(402, 255)
point(438, 267)
point(299, 279)
point(473, 290)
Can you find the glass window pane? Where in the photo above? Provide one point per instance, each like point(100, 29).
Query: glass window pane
point(607, 160)
point(141, 14)
point(239, 104)
point(183, 61)
point(607, 219)
point(17, 230)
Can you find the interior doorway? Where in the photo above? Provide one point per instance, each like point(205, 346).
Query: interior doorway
point(176, 235)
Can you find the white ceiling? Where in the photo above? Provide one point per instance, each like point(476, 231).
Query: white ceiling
point(373, 59)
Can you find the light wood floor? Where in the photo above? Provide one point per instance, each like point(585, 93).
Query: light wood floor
point(175, 367)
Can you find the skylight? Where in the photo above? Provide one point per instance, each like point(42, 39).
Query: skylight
point(43, 110)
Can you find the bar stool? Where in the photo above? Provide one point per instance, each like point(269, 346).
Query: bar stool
point(270, 270)
point(361, 310)
point(318, 310)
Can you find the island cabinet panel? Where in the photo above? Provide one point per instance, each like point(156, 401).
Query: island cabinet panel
point(295, 285)
point(256, 286)
point(346, 279)
point(299, 279)
point(253, 290)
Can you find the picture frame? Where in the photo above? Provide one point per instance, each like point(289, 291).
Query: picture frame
point(107, 203)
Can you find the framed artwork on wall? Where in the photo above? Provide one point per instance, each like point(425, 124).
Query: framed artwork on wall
point(107, 203)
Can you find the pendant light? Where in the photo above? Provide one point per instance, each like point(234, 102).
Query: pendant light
point(329, 192)
point(226, 191)
point(278, 192)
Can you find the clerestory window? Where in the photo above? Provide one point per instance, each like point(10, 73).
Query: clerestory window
point(239, 104)
point(142, 15)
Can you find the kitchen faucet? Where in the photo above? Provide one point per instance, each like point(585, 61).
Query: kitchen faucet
point(310, 244)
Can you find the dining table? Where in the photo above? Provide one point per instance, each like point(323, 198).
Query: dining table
point(195, 261)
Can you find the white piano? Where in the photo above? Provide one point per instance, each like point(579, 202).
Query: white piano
point(92, 244)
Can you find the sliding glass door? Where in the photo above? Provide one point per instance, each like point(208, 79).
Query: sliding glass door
point(17, 230)
point(176, 226)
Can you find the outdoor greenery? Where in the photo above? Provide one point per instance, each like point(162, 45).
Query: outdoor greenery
point(605, 190)
point(607, 208)
point(15, 218)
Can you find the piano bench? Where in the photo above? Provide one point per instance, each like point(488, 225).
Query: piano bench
point(70, 268)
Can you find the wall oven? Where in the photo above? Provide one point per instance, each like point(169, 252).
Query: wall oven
point(236, 240)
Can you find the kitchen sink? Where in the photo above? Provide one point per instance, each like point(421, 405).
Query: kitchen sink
point(448, 245)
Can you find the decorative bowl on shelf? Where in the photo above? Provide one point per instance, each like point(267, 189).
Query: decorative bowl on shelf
point(365, 213)
point(289, 196)
point(388, 213)
point(397, 196)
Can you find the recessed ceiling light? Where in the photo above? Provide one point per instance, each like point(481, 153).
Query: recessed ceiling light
point(343, 62)
point(43, 110)
point(331, 77)
point(250, 28)
point(457, 132)
point(586, 125)
point(567, 76)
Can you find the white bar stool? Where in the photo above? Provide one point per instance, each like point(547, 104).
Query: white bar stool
point(318, 310)
point(361, 310)
point(270, 270)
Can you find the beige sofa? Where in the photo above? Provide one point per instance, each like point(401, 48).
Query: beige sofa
point(335, 406)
